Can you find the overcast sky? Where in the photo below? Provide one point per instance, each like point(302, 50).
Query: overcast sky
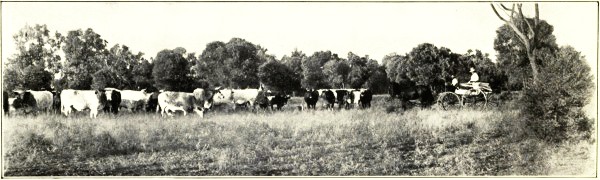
point(374, 29)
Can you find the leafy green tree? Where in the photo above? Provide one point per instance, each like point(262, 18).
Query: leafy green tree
point(392, 63)
point(243, 62)
point(232, 64)
point(277, 76)
point(36, 60)
point(122, 61)
point(534, 36)
point(170, 71)
point(211, 65)
point(378, 81)
point(142, 74)
point(359, 72)
point(36, 78)
point(337, 72)
point(85, 53)
point(513, 58)
point(422, 65)
point(553, 109)
point(294, 62)
point(312, 70)
point(106, 77)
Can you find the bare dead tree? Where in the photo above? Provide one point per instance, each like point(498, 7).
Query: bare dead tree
point(527, 34)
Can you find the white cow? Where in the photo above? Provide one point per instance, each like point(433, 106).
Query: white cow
point(235, 97)
point(178, 101)
point(82, 99)
point(134, 100)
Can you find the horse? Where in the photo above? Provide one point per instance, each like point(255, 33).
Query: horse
point(408, 90)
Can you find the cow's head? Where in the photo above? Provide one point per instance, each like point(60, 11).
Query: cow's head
point(286, 98)
point(218, 94)
point(19, 94)
point(23, 99)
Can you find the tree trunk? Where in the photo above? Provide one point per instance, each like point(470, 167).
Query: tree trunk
point(534, 67)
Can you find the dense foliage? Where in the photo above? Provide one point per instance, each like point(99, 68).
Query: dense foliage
point(512, 55)
point(553, 109)
point(169, 70)
point(35, 61)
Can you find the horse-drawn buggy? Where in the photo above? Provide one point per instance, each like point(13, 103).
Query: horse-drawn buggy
point(472, 94)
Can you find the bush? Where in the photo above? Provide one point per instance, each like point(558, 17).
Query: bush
point(552, 107)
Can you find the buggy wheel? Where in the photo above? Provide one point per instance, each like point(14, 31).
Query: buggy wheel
point(449, 101)
point(476, 101)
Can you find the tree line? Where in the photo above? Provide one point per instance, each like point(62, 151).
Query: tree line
point(90, 64)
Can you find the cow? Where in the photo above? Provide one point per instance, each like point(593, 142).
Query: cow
point(365, 98)
point(407, 90)
point(33, 101)
point(56, 102)
point(329, 98)
point(311, 97)
point(245, 96)
point(263, 100)
point(134, 100)
point(178, 101)
point(114, 98)
point(79, 100)
point(268, 99)
point(5, 105)
point(279, 100)
point(152, 104)
point(11, 107)
point(236, 97)
point(203, 97)
point(341, 96)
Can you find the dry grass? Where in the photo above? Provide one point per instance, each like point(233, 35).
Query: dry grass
point(342, 142)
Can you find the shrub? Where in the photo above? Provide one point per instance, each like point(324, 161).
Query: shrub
point(552, 107)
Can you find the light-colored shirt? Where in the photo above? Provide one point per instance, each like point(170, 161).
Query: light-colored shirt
point(455, 81)
point(474, 77)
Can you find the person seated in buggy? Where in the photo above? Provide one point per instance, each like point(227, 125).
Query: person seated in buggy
point(473, 82)
point(473, 86)
point(453, 85)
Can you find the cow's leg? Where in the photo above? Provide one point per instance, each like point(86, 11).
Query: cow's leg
point(252, 105)
point(93, 113)
point(199, 112)
point(63, 110)
point(162, 110)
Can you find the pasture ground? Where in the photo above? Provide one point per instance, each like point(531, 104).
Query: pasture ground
point(363, 142)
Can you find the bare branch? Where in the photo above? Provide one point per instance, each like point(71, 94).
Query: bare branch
point(537, 15)
point(505, 7)
point(512, 13)
point(522, 36)
point(529, 29)
point(497, 14)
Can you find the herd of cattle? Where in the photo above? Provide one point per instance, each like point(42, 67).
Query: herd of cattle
point(111, 100)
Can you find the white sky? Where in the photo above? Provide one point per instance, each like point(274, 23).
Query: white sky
point(373, 29)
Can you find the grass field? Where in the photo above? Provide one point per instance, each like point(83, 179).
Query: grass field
point(365, 142)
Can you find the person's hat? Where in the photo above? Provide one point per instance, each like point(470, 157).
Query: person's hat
point(472, 70)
